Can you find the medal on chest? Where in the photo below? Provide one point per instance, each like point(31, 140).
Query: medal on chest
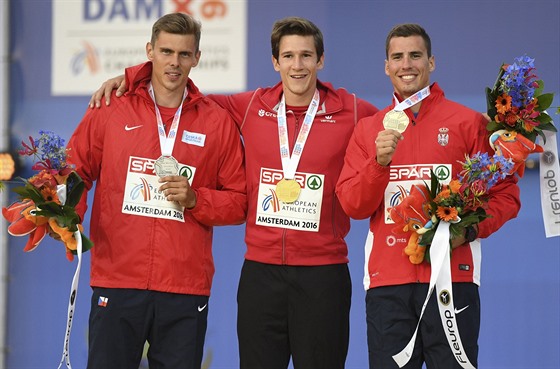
point(166, 164)
point(288, 189)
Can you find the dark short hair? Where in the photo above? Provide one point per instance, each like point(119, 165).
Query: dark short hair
point(407, 30)
point(177, 24)
point(295, 26)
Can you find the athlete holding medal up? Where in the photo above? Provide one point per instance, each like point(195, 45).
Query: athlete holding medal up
point(295, 289)
point(389, 152)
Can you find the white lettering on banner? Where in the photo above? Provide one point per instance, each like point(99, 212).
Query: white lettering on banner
point(549, 173)
point(271, 176)
point(552, 186)
point(96, 39)
point(451, 332)
point(145, 210)
point(95, 10)
point(410, 172)
point(144, 166)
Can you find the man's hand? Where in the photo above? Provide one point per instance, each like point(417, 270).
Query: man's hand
point(105, 90)
point(458, 241)
point(386, 144)
point(462, 239)
point(178, 189)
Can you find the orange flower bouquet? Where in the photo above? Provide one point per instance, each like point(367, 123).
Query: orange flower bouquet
point(516, 106)
point(48, 199)
point(461, 202)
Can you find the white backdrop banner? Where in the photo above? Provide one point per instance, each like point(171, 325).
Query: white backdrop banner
point(94, 40)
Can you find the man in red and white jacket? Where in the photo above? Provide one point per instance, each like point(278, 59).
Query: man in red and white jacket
point(380, 163)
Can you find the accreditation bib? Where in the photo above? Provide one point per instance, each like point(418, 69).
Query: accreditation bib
point(303, 213)
point(141, 193)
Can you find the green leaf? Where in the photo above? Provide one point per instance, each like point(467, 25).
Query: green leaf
point(493, 126)
point(49, 209)
point(539, 90)
point(532, 136)
point(543, 118)
point(434, 185)
point(545, 100)
point(549, 126)
point(455, 230)
point(541, 134)
point(87, 244)
point(28, 191)
point(427, 238)
point(77, 186)
point(501, 72)
point(491, 103)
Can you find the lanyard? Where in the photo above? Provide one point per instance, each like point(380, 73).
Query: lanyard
point(166, 142)
point(290, 163)
point(412, 100)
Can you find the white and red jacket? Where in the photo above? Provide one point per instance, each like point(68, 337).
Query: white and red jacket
point(442, 133)
point(255, 112)
point(146, 251)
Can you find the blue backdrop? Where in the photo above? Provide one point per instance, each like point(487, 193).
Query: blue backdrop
point(521, 274)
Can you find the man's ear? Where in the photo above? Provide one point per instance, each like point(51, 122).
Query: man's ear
point(321, 62)
point(275, 64)
point(149, 51)
point(197, 57)
point(432, 63)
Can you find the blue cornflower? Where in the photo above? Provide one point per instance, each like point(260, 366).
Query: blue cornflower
point(518, 81)
point(52, 149)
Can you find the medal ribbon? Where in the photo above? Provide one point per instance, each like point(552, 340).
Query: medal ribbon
point(289, 164)
point(440, 279)
point(166, 142)
point(61, 191)
point(412, 100)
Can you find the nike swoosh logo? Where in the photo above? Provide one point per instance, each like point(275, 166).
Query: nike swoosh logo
point(457, 311)
point(127, 128)
point(200, 308)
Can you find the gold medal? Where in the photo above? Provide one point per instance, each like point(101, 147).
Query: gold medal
point(396, 120)
point(287, 190)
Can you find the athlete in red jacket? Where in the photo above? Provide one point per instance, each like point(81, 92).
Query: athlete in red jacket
point(381, 162)
point(152, 266)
